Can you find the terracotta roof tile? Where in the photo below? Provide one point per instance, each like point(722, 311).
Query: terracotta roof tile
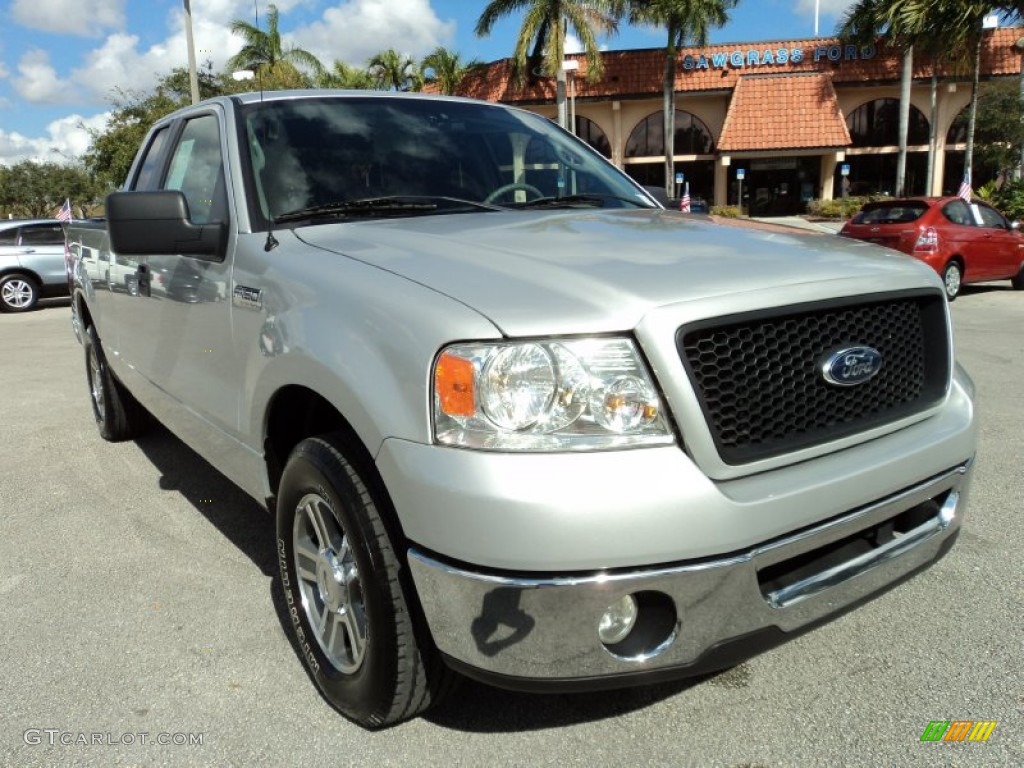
point(797, 111)
point(638, 73)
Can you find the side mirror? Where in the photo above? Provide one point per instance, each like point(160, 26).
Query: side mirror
point(155, 223)
point(1015, 226)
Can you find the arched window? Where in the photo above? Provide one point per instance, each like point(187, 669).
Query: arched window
point(877, 124)
point(591, 133)
point(692, 136)
point(957, 133)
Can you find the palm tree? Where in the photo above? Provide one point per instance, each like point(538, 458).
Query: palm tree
point(961, 25)
point(545, 23)
point(264, 52)
point(958, 24)
point(687, 21)
point(863, 24)
point(445, 69)
point(344, 75)
point(394, 71)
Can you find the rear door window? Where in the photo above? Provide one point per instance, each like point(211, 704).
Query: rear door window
point(957, 212)
point(42, 234)
point(148, 177)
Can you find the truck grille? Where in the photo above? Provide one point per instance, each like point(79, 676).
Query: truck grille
point(758, 375)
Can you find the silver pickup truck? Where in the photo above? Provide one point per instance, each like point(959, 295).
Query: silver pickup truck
point(514, 419)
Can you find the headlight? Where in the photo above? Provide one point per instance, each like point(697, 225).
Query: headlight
point(552, 395)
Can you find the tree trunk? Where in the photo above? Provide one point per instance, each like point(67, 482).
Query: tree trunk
point(669, 117)
point(969, 153)
point(905, 82)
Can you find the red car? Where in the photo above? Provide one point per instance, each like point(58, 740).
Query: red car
point(963, 243)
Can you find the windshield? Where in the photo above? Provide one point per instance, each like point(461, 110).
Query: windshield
point(314, 154)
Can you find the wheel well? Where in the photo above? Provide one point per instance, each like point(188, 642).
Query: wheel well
point(24, 273)
point(959, 262)
point(295, 414)
point(83, 312)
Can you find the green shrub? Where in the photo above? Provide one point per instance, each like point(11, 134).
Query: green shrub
point(838, 208)
point(1010, 200)
point(728, 211)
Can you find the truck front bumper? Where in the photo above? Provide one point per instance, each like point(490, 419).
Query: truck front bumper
point(522, 631)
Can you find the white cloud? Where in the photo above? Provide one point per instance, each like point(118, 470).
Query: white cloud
point(350, 30)
point(38, 81)
point(355, 30)
point(86, 18)
point(66, 138)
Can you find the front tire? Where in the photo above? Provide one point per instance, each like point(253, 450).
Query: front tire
point(1018, 281)
point(119, 416)
point(18, 293)
point(351, 614)
point(952, 278)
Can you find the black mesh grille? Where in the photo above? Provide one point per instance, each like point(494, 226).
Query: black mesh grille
point(758, 376)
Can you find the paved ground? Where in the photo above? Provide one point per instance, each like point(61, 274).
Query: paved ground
point(138, 596)
point(812, 225)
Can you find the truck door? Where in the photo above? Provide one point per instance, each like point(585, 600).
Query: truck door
point(180, 321)
point(116, 310)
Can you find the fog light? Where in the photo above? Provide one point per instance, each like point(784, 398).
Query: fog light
point(617, 621)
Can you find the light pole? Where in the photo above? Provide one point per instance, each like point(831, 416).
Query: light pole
point(1019, 45)
point(193, 77)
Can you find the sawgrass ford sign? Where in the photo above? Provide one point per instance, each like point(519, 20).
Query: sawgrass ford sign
point(766, 57)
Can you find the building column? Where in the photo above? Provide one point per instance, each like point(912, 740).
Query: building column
point(722, 180)
point(828, 172)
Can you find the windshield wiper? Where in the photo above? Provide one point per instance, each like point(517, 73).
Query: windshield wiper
point(395, 205)
point(577, 201)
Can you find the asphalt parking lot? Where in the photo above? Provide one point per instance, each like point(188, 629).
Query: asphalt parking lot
point(139, 603)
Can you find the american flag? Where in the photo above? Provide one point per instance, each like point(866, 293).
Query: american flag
point(965, 187)
point(64, 214)
point(684, 204)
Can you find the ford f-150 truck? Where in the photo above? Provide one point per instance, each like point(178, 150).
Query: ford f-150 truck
point(514, 419)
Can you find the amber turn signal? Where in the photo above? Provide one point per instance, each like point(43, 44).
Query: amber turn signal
point(453, 383)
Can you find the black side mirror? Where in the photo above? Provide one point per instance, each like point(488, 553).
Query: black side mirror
point(154, 223)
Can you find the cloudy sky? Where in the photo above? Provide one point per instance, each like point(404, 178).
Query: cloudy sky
point(62, 60)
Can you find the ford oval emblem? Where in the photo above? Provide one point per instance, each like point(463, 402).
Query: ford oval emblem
point(850, 366)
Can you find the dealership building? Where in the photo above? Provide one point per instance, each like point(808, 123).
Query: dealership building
point(784, 121)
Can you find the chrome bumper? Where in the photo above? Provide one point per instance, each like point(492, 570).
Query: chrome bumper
point(545, 629)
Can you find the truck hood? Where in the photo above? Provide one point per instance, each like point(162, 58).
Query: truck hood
point(583, 271)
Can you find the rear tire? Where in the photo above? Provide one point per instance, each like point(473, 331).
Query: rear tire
point(952, 277)
point(18, 293)
point(350, 611)
point(119, 416)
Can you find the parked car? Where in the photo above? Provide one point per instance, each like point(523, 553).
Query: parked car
point(964, 243)
point(31, 263)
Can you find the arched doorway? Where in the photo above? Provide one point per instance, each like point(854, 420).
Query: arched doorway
point(956, 146)
point(592, 133)
point(876, 124)
point(645, 153)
